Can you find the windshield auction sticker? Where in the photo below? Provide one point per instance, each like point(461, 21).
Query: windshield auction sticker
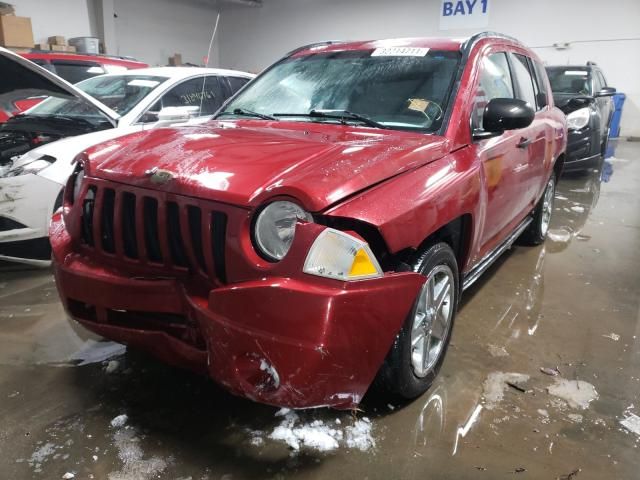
point(400, 52)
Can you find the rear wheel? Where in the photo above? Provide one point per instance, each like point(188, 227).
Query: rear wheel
point(419, 349)
point(537, 230)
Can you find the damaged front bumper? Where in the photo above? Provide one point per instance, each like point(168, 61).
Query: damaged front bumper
point(26, 205)
point(297, 342)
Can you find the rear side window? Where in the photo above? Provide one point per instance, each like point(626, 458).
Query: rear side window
point(523, 79)
point(541, 76)
point(236, 83)
point(207, 92)
point(495, 82)
point(74, 72)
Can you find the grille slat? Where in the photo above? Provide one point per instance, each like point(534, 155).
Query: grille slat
point(135, 227)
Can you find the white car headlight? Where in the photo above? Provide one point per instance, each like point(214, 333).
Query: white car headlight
point(340, 256)
point(275, 228)
point(33, 166)
point(578, 119)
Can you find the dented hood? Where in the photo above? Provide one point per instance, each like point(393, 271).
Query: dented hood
point(247, 162)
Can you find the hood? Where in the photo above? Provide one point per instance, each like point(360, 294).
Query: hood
point(246, 162)
point(22, 79)
point(564, 101)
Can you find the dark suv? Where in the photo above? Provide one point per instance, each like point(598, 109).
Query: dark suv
point(581, 92)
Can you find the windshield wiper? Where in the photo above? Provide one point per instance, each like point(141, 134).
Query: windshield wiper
point(342, 115)
point(52, 117)
point(247, 113)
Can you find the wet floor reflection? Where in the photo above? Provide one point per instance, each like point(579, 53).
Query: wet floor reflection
point(547, 331)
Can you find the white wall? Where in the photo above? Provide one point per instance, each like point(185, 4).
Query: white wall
point(149, 30)
point(252, 38)
point(70, 18)
point(153, 30)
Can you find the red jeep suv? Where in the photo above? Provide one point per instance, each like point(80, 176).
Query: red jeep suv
point(318, 233)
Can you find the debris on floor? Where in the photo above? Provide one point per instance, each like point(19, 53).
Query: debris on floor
point(631, 422)
point(576, 393)
point(553, 372)
point(613, 336)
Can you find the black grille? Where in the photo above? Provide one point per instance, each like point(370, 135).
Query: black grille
point(144, 229)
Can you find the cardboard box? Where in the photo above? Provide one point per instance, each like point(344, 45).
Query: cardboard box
point(58, 40)
point(62, 48)
point(6, 9)
point(42, 46)
point(16, 32)
point(175, 60)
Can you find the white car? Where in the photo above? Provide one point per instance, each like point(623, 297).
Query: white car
point(37, 148)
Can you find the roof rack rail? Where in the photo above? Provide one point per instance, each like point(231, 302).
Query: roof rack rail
point(472, 40)
point(104, 55)
point(311, 45)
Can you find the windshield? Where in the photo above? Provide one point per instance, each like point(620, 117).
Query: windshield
point(119, 92)
point(569, 80)
point(407, 90)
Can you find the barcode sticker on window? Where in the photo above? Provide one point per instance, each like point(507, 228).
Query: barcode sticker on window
point(400, 52)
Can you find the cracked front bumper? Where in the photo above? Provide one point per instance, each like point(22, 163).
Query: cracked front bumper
point(296, 342)
point(26, 206)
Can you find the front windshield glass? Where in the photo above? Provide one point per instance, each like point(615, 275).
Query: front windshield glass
point(395, 87)
point(119, 92)
point(569, 80)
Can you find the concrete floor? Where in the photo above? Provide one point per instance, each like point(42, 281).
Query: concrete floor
point(572, 304)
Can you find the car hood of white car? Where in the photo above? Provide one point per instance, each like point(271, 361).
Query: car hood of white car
point(29, 79)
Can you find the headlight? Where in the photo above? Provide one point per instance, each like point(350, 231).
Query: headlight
point(275, 228)
point(578, 119)
point(30, 167)
point(338, 255)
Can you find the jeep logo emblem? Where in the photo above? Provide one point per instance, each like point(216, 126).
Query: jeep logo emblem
point(159, 177)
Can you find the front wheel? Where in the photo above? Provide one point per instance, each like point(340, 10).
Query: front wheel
point(537, 230)
point(419, 349)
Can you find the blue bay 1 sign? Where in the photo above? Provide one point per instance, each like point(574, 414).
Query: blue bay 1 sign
point(464, 14)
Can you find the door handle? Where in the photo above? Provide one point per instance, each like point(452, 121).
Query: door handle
point(523, 143)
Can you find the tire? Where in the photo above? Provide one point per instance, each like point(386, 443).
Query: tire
point(400, 376)
point(536, 232)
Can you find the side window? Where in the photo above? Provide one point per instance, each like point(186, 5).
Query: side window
point(236, 83)
point(205, 91)
point(523, 79)
point(541, 81)
point(495, 82)
point(74, 72)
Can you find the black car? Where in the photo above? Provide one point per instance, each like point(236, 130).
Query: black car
point(581, 92)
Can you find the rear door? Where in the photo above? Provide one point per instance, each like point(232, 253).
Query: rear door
point(500, 157)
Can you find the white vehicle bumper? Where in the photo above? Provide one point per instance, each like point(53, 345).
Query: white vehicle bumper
point(26, 205)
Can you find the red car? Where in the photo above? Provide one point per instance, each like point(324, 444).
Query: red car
point(73, 68)
point(320, 231)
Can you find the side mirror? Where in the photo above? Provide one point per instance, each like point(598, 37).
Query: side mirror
point(606, 92)
point(177, 114)
point(502, 114)
point(579, 102)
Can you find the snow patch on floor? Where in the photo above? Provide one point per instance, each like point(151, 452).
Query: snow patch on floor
point(577, 393)
point(496, 351)
point(130, 453)
point(496, 384)
point(317, 435)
